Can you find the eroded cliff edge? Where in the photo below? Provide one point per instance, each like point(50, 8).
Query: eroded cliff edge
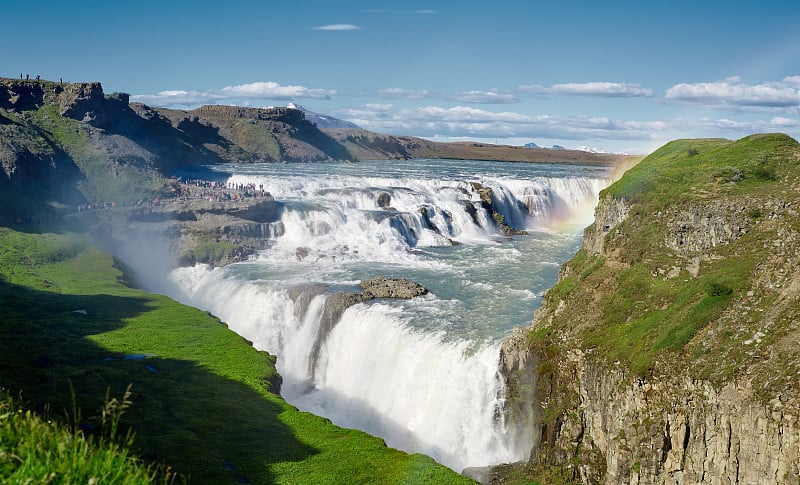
point(669, 350)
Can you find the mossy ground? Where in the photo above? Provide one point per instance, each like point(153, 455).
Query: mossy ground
point(201, 394)
point(209, 252)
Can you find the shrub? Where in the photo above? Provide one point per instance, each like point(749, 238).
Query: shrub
point(715, 289)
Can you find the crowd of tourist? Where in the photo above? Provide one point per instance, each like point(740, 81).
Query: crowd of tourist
point(189, 189)
point(214, 191)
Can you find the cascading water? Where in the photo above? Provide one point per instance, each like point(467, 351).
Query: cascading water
point(421, 373)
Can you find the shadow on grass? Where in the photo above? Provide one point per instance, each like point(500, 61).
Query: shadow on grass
point(209, 428)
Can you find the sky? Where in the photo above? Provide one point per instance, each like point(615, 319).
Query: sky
point(624, 76)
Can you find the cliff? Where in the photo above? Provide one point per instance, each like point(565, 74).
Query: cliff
point(67, 144)
point(668, 352)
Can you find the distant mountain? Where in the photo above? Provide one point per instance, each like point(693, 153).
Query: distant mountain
point(589, 149)
point(322, 120)
point(558, 147)
point(532, 145)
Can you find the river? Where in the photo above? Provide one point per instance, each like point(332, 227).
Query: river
point(421, 373)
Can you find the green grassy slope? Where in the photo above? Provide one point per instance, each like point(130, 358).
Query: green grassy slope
point(201, 399)
point(654, 304)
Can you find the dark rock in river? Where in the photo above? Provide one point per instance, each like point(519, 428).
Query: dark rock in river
point(381, 287)
point(489, 204)
point(384, 200)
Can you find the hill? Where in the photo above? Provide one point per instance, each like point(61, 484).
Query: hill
point(669, 350)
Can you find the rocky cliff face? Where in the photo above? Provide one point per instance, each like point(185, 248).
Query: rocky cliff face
point(267, 134)
point(675, 429)
point(668, 353)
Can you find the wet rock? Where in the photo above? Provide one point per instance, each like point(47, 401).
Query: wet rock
point(302, 252)
point(489, 205)
point(384, 200)
point(381, 287)
point(335, 306)
point(337, 303)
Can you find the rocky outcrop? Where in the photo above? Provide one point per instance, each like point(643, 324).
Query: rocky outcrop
point(21, 95)
point(381, 287)
point(86, 102)
point(195, 230)
point(707, 225)
point(616, 427)
point(674, 430)
point(266, 134)
point(384, 200)
point(610, 212)
point(337, 303)
point(489, 204)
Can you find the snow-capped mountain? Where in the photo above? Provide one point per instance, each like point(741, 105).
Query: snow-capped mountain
point(322, 120)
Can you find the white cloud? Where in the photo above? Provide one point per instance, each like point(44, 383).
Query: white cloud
point(600, 89)
point(466, 121)
point(239, 94)
point(484, 97)
point(785, 122)
point(338, 27)
point(175, 98)
point(272, 90)
point(733, 93)
point(426, 12)
point(792, 80)
point(379, 106)
point(404, 93)
point(738, 128)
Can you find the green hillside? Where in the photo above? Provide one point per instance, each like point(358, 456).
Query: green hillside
point(649, 300)
point(673, 332)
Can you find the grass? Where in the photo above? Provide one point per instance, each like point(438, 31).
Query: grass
point(38, 450)
point(255, 138)
point(201, 400)
point(682, 167)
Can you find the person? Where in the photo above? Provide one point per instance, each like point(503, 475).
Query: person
point(20, 76)
point(61, 80)
point(37, 78)
point(27, 77)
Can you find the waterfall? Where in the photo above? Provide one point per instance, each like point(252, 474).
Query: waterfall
point(422, 373)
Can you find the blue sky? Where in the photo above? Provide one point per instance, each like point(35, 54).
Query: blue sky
point(621, 76)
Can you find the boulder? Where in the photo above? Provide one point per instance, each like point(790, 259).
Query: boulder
point(384, 200)
point(381, 287)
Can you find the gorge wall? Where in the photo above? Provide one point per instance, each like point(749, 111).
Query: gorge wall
point(668, 351)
